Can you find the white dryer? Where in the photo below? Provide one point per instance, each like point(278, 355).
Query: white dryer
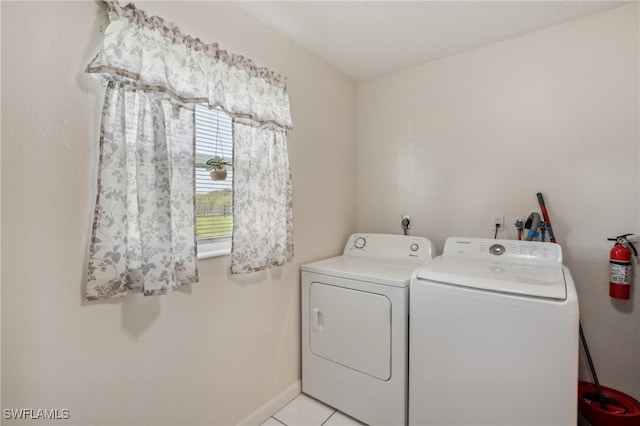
point(355, 326)
point(494, 336)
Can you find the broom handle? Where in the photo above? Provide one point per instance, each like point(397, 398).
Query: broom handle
point(545, 216)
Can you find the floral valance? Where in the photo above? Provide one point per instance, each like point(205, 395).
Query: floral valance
point(188, 69)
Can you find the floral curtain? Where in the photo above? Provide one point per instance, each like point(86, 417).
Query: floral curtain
point(143, 232)
point(144, 223)
point(263, 229)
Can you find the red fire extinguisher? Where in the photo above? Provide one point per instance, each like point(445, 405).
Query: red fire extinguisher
point(620, 267)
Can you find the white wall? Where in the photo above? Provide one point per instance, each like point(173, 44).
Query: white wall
point(556, 111)
point(449, 142)
point(211, 353)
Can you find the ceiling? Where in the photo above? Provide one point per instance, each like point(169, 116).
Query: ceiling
point(366, 39)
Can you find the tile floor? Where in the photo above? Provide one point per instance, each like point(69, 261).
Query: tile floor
point(306, 411)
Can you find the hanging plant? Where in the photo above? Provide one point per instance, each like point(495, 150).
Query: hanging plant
point(217, 166)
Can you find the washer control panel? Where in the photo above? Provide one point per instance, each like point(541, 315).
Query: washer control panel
point(390, 247)
point(504, 250)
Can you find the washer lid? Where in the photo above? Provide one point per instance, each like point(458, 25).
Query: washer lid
point(385, 272)
point(546, 281)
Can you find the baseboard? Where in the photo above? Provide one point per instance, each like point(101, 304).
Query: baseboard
point(263, 413)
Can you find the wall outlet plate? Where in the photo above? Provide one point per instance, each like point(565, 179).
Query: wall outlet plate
point(497, 218)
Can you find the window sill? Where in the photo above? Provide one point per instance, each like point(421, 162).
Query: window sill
point(214, 249)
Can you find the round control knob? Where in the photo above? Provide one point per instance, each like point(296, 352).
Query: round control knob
point(414, 247)
point(360, 242)
point(496, 249)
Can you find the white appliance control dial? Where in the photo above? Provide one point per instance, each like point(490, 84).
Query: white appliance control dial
point(415, 247)
point(360, 242)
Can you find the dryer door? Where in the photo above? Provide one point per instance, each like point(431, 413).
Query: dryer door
point(351, 328)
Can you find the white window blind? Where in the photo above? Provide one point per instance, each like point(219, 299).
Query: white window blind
point(214, 137)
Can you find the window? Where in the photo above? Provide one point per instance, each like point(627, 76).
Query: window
point(214, 215)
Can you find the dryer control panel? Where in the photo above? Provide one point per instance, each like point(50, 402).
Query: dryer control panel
point(390, 247)
point(534, 252)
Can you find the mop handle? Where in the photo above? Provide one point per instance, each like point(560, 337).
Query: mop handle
point(545, 217)
point(603, 401)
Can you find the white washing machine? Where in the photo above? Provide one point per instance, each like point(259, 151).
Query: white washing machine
point(494, 336)
point(354, 326)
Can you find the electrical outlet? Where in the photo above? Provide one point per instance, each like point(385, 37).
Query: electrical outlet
point(497, 219)
point(406, 221)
